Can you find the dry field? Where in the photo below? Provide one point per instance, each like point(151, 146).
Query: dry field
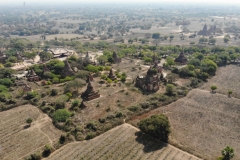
point(227, 78)
point(16, 140)
point(203, 123)
point(122, 142)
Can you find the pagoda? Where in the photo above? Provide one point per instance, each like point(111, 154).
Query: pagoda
point(3, 57)
point(67, 70)
point(181, 59)
point(111, 75)
point(90, 94)
point(19, 57)
point(45, 69)
point(90, 78)
point(32, 76)
point(116, 59)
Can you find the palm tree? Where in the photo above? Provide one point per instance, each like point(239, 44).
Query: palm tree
point(228, 153)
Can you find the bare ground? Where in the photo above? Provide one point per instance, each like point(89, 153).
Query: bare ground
point(203, 123)
point(122, 142)
point(17, 140)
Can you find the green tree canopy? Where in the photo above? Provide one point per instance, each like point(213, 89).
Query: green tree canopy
point(157, 126)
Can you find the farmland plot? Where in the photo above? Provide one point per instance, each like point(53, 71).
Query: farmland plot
point(17, 140)
point(227, 78)
point(122, 142)
point(203, 123)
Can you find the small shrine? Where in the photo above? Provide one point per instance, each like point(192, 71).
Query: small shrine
point(3, 57)
point(116, 59)
point(32, 76)
point(90, 94)
point(111, 75)
point(19, 57)
point(181, 59)
point(45, 69)
point(67, 70)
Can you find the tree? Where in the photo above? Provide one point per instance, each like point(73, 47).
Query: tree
point(61, 115)
point(156, 35)
point(170, 61)
point(213, 88)
point(45, 56)
point(102, 59)
point(226, 40)
point(30, 55)
point(29, 121)
point(74, 85)
point(157, 126)
point(229, 93)
point(212, 41)
point(170, 88)
point(209, 66)
point(228, 153)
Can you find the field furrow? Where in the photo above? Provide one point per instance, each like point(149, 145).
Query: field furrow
point(122, 142)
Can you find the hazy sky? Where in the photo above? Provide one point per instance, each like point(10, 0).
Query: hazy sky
point(113, 1)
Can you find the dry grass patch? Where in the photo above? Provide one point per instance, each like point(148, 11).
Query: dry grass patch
point(17, 140)
point(227, 78)
point(122, 142)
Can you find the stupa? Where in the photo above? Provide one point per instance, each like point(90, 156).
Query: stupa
point(90, 94)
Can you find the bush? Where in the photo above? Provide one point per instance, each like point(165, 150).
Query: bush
point(36, 156)
point(75, 103)
point(170, 88)
point(6, 82)
point(54, 92)
point(119, 114)
point(157, 126)
point(61, 115)
point(134, 108)
point(47, 150)
point(31, 95)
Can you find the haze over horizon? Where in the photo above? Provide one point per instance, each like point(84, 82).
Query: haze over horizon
point(119, 1)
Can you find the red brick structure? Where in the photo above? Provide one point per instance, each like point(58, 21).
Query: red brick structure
point(149, 83)
point(90, 94)
point(67, 70)
point(111, 75)
point(116, 59)
point(32, 76)
point(90, 78)
point(181, 59)
point(3, 57)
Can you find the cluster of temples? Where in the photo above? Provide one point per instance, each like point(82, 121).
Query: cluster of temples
point(206, 32)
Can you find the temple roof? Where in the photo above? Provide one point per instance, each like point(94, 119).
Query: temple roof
point(181, 58)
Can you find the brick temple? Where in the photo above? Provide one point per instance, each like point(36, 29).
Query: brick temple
point(90, 94)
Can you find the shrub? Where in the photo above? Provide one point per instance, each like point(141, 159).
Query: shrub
point(157, 126)
point(29, 120)
point(119, 114)
point(213, 88)
point(170, 88)
point(54, 92)
point(61, 115)
point(36, 156)
point(31, 95)
point(134, 108)
point(75, 103)
point(109, 80)
point(6, 82)
point(104, 77)
point(47, 150)
point(90, 135)
point(55, 80)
